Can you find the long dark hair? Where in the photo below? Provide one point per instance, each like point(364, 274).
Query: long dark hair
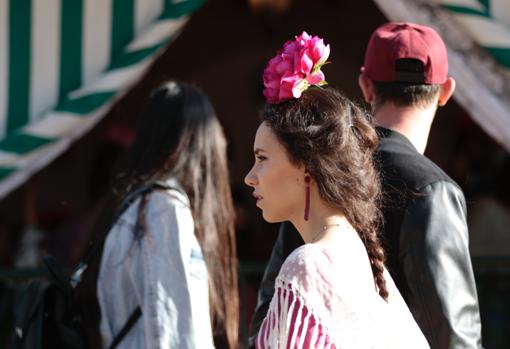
point(180, 137)
point(335, 140)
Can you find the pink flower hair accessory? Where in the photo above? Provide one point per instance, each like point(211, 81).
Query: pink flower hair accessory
point(295, 68)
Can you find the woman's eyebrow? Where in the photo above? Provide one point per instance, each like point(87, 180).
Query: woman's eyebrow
point(258, 150)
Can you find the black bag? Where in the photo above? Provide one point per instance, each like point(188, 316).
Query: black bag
point(47, 313)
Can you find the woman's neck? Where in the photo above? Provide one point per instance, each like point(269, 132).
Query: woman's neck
point(322, 220)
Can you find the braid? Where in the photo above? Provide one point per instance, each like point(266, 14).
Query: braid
point(376, 255)
point(369, 230)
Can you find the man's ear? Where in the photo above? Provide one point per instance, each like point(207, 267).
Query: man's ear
point(446, 91)
point(367, 88)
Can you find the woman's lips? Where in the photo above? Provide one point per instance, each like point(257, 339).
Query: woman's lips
point(257, 197)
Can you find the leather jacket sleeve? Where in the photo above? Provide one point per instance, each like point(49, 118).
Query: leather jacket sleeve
point(434, 254)
point(287, 241)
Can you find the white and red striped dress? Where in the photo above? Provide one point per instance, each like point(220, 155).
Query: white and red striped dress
point(327, 299)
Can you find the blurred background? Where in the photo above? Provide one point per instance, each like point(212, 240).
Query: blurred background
point(75, 74)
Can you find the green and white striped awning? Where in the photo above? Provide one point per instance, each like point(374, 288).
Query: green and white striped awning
point(477, 34)
point(63, 63)
point(487, 22)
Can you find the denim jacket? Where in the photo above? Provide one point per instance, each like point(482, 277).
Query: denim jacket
point(163, 272)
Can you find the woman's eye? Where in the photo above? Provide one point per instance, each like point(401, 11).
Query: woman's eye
point(261, 158)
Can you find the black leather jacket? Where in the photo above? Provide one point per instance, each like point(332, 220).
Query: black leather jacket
point(426, 241)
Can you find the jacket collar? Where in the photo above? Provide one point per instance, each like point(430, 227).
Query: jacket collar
point(394, 136)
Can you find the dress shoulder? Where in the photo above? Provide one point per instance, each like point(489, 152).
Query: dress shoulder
point(299, 264)
point(307, 272)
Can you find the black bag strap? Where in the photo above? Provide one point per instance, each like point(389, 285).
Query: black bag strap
point(96, 247)
point(131, 321)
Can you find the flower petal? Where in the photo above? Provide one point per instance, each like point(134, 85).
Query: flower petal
point(325, 55)
point(305, 62)
point(315, 78)
point(298, 88)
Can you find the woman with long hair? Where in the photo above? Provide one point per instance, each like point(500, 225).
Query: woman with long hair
point(172, 251)
point(313, 167)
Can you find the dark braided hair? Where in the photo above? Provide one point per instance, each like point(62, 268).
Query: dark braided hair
point(335, 140)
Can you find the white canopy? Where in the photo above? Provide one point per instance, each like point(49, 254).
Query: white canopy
point(64, 63)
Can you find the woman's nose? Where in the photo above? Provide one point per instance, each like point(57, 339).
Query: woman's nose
point(250, 179)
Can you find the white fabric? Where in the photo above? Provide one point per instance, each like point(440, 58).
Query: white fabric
point(339, 293)
point(164, 273)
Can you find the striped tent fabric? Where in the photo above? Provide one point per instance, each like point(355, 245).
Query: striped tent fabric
point(63, 63)
point(477, 34)
point(487, 22)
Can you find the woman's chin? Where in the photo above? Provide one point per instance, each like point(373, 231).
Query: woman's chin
point(271, 218)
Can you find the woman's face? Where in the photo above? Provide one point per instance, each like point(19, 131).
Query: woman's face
point(279, 186)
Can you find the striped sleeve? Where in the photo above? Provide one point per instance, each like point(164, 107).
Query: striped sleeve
point(291, 323)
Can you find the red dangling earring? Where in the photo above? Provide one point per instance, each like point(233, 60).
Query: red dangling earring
point(308, 179)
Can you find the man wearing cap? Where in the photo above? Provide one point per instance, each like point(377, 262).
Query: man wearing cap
point(405, 79)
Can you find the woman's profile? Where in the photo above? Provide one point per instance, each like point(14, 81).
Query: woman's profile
point(313, 167)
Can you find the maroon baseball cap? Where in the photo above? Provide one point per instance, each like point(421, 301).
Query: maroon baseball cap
point(393, 43)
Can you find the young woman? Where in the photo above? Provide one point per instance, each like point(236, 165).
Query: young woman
point(172, 251)
point(313, 167)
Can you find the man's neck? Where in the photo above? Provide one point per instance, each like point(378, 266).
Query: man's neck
point(412, 122)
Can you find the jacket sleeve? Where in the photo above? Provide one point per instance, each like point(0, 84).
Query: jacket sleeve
point(435, 260)
point(287, 241)
point(160, 281)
